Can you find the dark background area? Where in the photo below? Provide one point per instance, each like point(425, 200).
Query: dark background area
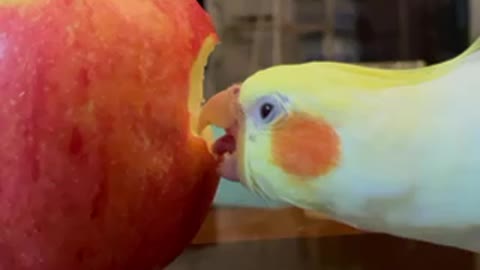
point(430, 30)
point(434, 30)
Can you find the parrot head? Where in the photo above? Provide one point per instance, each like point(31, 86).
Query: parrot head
point(282, 131)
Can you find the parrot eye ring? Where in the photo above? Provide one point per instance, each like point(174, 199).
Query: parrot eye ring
point(265, 110)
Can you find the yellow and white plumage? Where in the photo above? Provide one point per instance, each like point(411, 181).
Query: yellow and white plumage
point(402, 146)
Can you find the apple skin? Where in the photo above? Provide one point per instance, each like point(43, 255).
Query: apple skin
point(99, 168)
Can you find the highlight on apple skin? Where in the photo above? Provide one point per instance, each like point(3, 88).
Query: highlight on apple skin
point(100, 167)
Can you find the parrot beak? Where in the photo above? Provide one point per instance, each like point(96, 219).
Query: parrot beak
point(220, 109)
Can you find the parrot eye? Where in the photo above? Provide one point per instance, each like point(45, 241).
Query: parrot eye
point(265, 110)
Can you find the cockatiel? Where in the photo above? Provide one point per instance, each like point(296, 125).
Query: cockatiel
point(389, 151)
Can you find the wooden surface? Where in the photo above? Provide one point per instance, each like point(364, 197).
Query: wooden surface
point(224, 225)
point(249, 238)
point(345, 252)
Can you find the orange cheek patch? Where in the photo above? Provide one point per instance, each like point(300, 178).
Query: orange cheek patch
point(305, 147)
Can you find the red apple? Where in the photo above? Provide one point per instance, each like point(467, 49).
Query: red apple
point(99, 164)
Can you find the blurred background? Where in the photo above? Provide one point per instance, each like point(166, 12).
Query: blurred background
point(244, 232)
point(259, 33)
